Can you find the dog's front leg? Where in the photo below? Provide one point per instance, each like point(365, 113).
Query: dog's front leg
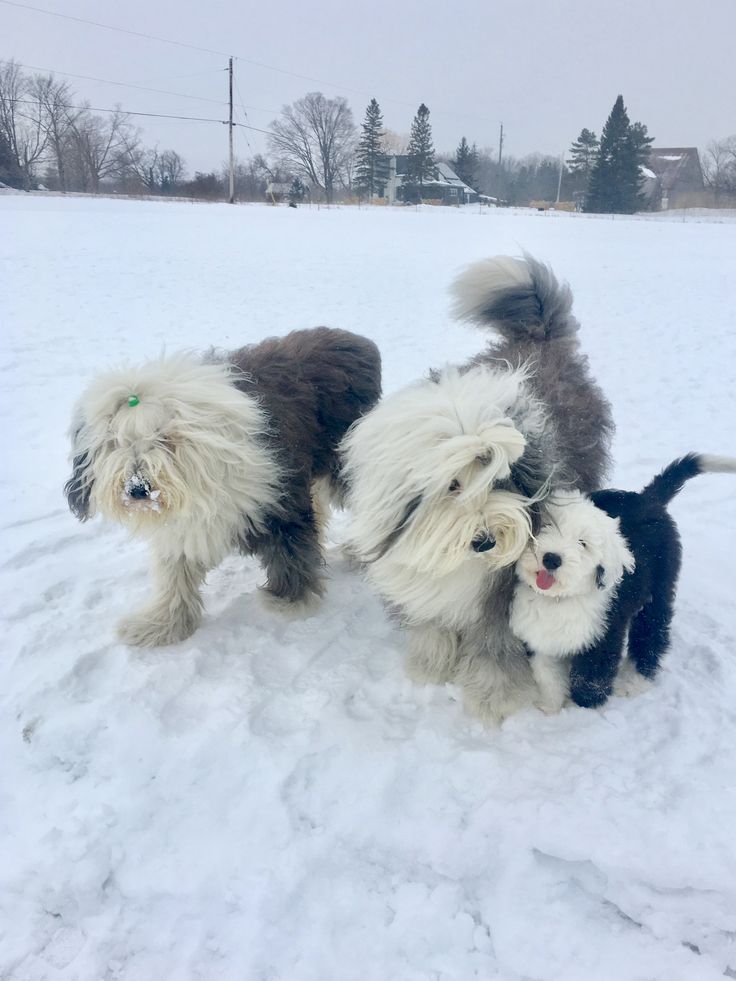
point(593, 670)
point(433, 654)
point(552, 675)
point(176, 610)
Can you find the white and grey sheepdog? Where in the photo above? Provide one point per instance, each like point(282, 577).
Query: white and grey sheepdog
point(445, 478)
point(206, 455)
point(599, 579)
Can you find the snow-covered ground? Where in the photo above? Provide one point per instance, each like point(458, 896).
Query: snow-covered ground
point(273, 799)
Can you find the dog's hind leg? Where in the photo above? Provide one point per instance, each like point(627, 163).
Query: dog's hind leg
point(176, 610)
point(322, 499)
point(293, 558)
point(649, 635)
point(433, 654)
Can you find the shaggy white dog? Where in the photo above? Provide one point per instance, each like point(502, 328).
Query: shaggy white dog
point(203, 457)
point(434, 512)
point(445, 476)
point(567, 577)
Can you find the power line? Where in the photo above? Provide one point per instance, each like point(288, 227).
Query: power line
point(132, 112)
point(142, 88)
point(129, 85)
point(109, 27)
point(248, 61)
point(127, 112)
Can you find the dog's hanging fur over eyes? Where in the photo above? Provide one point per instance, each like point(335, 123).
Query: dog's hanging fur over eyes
point(601, 575)
point(445, 479)
point(204, 456)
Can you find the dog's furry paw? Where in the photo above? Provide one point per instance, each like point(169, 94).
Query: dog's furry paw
point(550, 706)
point(629, 682)
point(144, 629)
point(293, 609)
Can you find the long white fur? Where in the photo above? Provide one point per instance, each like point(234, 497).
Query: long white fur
point(198, 440)
point(418, 442)
point(572, 614)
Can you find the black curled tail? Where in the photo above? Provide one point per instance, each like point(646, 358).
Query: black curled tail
point(673, 478)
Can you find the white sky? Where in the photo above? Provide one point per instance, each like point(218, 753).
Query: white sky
point(545, 68)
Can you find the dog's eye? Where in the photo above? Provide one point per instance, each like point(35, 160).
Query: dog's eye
point(454, 487)
point(582, 544)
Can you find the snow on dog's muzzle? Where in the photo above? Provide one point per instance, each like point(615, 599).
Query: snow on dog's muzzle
point(138, 495)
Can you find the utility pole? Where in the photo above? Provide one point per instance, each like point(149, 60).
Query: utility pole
point(559, 182)
point(230, 131)
point(498, 176)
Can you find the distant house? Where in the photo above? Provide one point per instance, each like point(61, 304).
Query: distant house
point(446, 186)
point(673, 177)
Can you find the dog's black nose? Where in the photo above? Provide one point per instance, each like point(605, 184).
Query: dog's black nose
point(139, 491)
point(484, 544)
point(551, 561)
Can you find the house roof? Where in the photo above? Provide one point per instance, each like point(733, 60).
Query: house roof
point(673, 163)
point(446, 176)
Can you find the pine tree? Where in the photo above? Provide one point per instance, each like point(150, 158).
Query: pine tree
point(583, 153)
point(421, 166)
point(616, 175)
point(10, 172)
point(638, 149)
point(465, 162)
point(371, 172)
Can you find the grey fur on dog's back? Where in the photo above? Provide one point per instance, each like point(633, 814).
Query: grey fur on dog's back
point(522, 300)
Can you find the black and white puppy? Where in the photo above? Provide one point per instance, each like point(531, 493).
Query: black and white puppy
point(601, 568)
point(204, 456)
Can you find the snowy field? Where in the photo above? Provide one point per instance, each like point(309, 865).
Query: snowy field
point(273, 800)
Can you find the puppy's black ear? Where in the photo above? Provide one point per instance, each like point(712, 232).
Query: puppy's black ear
point(600, 577)
point(79, 486)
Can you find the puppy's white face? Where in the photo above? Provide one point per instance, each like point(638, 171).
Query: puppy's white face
point(579, 550)
point(424, 468)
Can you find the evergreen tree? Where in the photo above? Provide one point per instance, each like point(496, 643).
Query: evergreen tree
point(421, 167)
point(639, 143)
point(297, 191)
point(10, 172)
point(616, 175)
point(583, 154)
point(465, 162)
point(371, 172)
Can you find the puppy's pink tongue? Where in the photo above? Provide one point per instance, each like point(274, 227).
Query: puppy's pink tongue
point(545, 579)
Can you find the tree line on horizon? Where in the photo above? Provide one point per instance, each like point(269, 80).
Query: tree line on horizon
point(315, 149)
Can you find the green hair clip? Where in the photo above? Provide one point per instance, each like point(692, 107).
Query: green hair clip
point(133, 400)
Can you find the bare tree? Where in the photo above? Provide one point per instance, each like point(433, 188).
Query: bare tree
point(160, 172)
point(58, 117)
point(102, 147)
point(719, 165)
point(315, 137)
point(22, 120)
point(395, 143)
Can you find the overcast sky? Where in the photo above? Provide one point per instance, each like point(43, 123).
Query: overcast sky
point(544, 68)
